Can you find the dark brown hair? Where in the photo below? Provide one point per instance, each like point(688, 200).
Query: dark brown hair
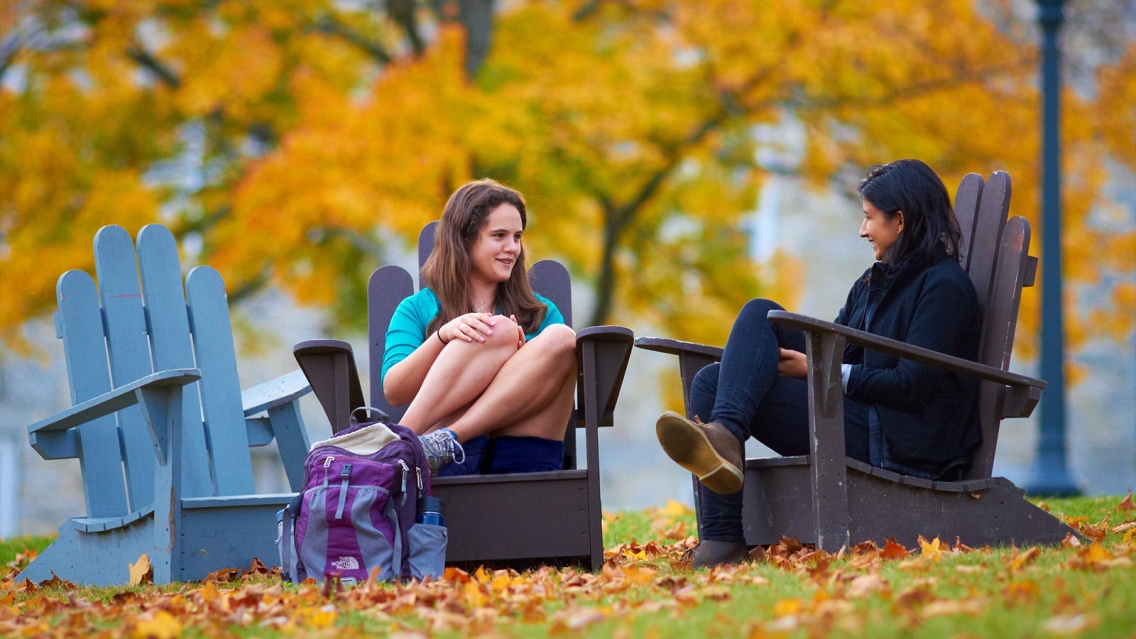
point(447, 269)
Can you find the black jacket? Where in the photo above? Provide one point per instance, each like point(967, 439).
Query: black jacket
point(928, 417)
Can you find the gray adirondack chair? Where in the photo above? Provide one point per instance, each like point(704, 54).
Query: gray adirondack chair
point(831, 500)
point(159, 425)
point(514, 520)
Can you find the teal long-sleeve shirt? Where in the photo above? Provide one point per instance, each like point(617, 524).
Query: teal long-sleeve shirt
point(407, 328)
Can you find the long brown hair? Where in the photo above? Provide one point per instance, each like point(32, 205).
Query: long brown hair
point(447, 269)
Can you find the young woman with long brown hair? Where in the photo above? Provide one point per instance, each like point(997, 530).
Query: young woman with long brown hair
point(488, 366)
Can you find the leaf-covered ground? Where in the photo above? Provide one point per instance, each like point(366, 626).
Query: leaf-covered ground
point(645, 589)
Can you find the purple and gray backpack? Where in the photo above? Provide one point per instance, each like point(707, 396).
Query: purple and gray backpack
point(362, 492)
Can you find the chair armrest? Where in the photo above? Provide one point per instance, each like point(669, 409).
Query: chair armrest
point(329, 365)
point(282, 390)
point(611, 346)
point(678, 347)
point(113, 401)
point(1024, 391)
point(691, 358)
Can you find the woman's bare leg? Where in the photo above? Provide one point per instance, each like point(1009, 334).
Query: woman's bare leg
point(462, 372)
point(531, 394)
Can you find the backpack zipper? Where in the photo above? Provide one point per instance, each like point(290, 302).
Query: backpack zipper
point(405, 472)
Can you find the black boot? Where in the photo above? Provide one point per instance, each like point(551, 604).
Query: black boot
point(711, 553)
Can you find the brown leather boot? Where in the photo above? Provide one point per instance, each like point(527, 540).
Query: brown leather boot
point(712, 553)
point(710, 451)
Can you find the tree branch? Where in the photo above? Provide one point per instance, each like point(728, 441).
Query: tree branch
point(404, 13)
point(330, 26)
point(146, 60)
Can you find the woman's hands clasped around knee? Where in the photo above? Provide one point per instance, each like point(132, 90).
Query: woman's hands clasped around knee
point(470, 327)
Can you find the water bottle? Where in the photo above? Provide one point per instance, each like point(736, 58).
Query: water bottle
point(432, 512)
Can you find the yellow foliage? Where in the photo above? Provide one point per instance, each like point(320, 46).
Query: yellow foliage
point(628, 126)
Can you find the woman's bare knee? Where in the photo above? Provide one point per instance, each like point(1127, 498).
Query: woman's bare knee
point(558, 339)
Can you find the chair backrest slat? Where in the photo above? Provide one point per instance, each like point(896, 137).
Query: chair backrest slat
point(552, 280)
point(208, 308)
point(170, 346)
point(126, 342)
point(995, 204)
point(100, 459)
point(999, 324)
point(966, 207)
point(388, 286)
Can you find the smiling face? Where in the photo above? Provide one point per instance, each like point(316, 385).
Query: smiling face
point(497, 247)
point(879, 230)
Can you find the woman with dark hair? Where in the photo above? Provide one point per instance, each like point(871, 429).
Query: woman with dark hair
point(898, 414)
point(488, 366)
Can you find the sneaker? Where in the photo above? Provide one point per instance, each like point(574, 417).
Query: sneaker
point(710, 451)
point(441, 447)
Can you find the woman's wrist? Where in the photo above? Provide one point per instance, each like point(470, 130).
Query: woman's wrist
point(439, 334)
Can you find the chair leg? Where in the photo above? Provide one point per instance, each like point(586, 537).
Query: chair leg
point(826, 441)
point(95, 559)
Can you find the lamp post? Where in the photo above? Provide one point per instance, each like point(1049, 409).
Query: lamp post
point(1050, 474)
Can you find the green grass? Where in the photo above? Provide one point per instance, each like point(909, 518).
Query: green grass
point(13, 546)
point(973, 594)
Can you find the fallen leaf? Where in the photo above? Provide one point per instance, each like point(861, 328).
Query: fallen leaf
point(1069, 624)
point(1025, 558)
point(1070, 541)
point(141, 572)
point(162, 625)
point(961, 547)
point(893, 550)
point(864, 585)
point(786, 607)
point(1024, 591)
point(1126, 504)
point(1124, 527)
point(943, 607)
point(930, 549)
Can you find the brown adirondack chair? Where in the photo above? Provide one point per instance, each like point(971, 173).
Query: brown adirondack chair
point(831, 500)
point(509, 520)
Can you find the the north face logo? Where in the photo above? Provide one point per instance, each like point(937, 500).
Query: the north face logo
point(346, 563)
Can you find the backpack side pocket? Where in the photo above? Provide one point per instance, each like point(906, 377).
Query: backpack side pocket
point(428, 550)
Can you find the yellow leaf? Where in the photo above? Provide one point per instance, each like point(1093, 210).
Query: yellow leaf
point(141, 572)
point(786, 607)
point(474, 597)
point(500, 581)
point(162, 626)
point(930, 550)
point(675, 509)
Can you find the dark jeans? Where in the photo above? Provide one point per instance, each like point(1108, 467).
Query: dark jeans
point(745, 393)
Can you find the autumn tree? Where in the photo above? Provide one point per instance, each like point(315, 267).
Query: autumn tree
point(321, 133)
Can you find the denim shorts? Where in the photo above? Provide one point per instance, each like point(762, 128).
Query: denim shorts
point(506, 454)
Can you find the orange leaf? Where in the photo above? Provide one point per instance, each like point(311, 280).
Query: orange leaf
point(1127, 503)
point(1025, 558)
point(894, 550)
